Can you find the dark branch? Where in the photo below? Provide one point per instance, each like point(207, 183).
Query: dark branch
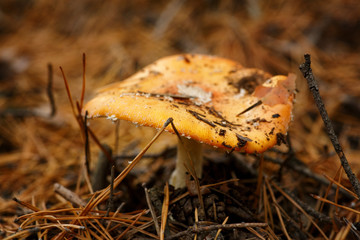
point(306, 70)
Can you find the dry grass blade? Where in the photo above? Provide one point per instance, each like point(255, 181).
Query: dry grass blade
point(105, 193)
point(250, 229)
point(132, 224)
point(29, 231)
point(27, 205)
point(164, 212)
point(218, 231)
point(301, 209)
point(277, 209)
point(136, 229)
point(335, 204)
point(272, 235)
point(124, 173)
point(76, 116)
point(105, 234)
point(68, 93)
point(337, 174)
point(267, 208)
point(341, 186)
point(115, 214)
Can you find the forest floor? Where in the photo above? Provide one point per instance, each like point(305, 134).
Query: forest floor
point(45, 191)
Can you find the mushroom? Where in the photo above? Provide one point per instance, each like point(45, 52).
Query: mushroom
point(211, 99)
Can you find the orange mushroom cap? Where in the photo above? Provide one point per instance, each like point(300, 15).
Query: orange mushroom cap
point(211, 99)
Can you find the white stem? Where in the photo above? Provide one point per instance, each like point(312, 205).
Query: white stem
point(192, 148)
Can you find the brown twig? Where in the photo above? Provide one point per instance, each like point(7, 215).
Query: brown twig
point(152, 210)
point(306, 70)
point(277, 209)
point(292, 198)
point(87, 145)
point(308, 209)
point(305, 171)
point(68, 93)
point(27, 205)
point(49, 90)
point(69, 195)
point(131, 225)
point(250, 229)
point(83, 83)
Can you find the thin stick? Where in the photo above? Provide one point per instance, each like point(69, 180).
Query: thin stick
point(114, 215)
point(196, 221)
point(304, 170)
point(306, 70)
point(152, 210)
point(68, 92)
point(277, 209)
point(49, 90)
point(339, 185)
point(131, 225)
point(250, 229)
point(27, 205)
point(87, 178)
point(218, 231)
point(288, 197)
point(83, 83)
point(335, 204)
point(69, 195)
point(308, 209)
point(87, 145)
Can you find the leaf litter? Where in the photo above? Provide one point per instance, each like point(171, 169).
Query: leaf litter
point(38, 151)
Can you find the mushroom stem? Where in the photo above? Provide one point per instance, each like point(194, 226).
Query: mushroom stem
point(186, 148)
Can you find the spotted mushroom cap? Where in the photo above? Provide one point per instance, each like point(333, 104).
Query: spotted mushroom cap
point(211, 99)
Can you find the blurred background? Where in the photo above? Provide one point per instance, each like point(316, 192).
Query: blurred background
point(121, 37)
